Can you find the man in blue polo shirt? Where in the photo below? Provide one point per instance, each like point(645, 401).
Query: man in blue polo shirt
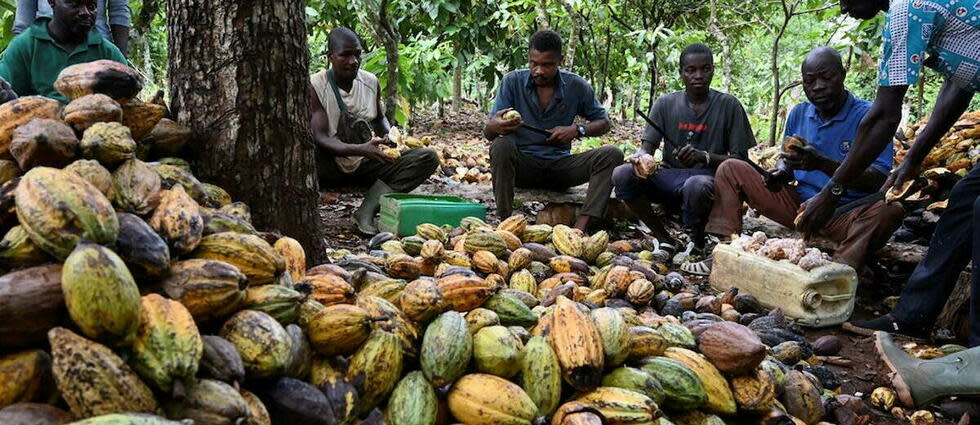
point(548, 98)
point(828, 123)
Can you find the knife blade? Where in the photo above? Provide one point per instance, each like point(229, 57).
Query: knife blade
point(536, 129)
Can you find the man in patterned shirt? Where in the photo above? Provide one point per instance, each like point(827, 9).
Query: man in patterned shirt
point(945, 36)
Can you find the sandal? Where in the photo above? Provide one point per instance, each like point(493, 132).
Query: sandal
point(699, 268)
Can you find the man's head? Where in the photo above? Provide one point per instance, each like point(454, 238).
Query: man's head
point(697, 68)
point(544, 56)
point(863, 9)
point(344, 53)
point(823, 77)
point(77, 17)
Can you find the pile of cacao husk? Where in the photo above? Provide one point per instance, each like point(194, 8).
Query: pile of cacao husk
point(135, 294)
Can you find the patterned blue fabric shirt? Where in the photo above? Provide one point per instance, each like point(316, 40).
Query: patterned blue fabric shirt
point(943, 35)
point(833, 139)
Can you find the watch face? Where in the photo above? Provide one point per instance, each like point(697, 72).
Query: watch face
point(836, 190)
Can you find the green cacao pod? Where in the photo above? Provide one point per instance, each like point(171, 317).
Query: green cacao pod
point(447, 347)
point(261, 341)
point(168, 347)
point(251, 254)
point(496, 351)
point(17, 250)
point(280, 302)
point(485, 242)
point(682, 388)
point(511, 310)
point(635, 380)
point(58, 208)
point(541, 375)
point(595, 245)
point(101, 295)
point(375, 367)
point(615, 334)
point(413, 402)
point(218, 222)
point(338, 329)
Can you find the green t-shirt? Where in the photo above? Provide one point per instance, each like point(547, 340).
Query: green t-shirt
point(33, 60)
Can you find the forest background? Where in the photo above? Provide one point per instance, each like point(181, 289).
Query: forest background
point(448, 55)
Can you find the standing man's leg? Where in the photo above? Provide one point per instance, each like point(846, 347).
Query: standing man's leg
point(933, 280)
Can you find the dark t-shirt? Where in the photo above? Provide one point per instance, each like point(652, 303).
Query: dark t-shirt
point(573, 97)
point(722, 129)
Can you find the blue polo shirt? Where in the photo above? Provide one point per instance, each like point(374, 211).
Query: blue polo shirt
point(574, 96)
point(833, 139)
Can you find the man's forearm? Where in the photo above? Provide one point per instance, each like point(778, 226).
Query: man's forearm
point(597, 127)
point(874, 133)
point(120, 37)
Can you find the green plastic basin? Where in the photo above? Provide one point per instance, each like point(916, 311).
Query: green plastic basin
point(401, 212)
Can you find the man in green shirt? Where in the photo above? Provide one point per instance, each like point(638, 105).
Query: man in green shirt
point(34, 58)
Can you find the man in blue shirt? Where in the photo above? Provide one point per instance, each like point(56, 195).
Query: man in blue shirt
point(828, 123)
point(550, 99)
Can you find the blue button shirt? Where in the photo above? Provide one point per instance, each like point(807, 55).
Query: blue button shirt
point(573, 96)
point(833, 139)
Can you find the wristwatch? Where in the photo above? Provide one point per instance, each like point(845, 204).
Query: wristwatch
point(836, 189)
point(581, 131)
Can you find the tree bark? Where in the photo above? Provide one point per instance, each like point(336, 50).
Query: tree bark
point(576, 24)
point(238, 80)
point(378, 19)
point(458, 83)
point(726, 48)
point(542, 19)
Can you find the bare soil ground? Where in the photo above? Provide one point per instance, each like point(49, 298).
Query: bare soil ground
point(866, 371)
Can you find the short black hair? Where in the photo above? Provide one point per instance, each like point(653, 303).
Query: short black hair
point(546, 41)
point(695, 49)
point(339, 37)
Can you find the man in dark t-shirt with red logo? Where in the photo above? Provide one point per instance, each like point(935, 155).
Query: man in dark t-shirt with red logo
point(704, 128)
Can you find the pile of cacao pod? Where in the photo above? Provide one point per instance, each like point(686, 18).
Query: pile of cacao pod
point(465, 161)
point(135, 294)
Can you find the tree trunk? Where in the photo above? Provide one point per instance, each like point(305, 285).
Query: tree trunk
point(576, 24)
point(726, 48)
point(238, 80)
point(542, 19)
point(774, 68)
point(389, 39)
point(458, 83)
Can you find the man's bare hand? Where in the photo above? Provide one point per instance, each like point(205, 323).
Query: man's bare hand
point(373, 151)
point(563, 135)
point(499, 125)
point(690, 156)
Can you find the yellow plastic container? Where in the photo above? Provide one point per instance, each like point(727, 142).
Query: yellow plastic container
point(820, 297)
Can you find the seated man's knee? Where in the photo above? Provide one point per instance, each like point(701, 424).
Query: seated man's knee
point(731, 166)
point(429, 158)
point(623, 175)
point(699, 184)
point(611, 154)
point(501, 147)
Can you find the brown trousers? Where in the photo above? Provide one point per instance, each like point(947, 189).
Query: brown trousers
point(858, 233)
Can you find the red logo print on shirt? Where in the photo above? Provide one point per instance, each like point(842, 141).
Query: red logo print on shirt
point(692, 127)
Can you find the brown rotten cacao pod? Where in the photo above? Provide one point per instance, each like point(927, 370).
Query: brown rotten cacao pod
point(43, 142)
point(577, 344)
point(732, 348)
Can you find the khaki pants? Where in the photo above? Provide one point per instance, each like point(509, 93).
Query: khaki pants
point(401, 175)
point(511, 168)
point(858, 233)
